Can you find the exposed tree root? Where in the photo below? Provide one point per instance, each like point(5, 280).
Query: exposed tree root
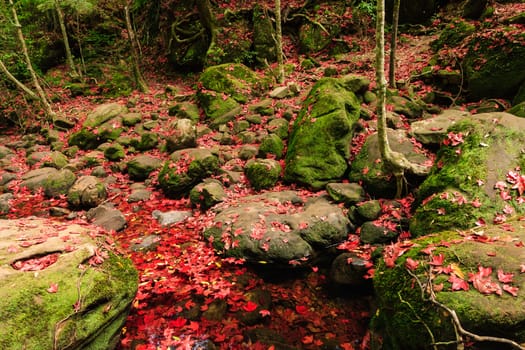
point(460, 332)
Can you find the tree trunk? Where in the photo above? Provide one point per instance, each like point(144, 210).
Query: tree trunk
point(279, 42)
point(393, 43)
point(69, 55)
point(139, 79)
point(41, 94)
point(17, 82)
point(397, 162)
point(208, 21)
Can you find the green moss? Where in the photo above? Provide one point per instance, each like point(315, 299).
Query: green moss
point(262, 173)
point(494, 64)
point(318, 146)
point(271, 145)
point(84, 139)
point(115, 152)
point(176, 183)
point(59, 183)
point(457, 174)
point(453, 34)
point(32, 317)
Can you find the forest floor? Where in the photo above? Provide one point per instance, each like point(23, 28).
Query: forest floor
point(183, 278)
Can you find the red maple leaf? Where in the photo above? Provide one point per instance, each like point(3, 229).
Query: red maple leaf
point(505, 277)
point(437, 260)
point(511, 290)
point(53, 288)
point(250, 306)
point(411, 264)
point(458, 283)
point(301, 309)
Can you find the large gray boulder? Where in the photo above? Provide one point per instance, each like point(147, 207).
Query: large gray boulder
point(277, 228)
point(53, 182)
point(369, 169)
point(63, 287)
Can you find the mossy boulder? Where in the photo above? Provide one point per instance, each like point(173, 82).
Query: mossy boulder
point(271, 146)
point(53, 159)
point(92, 137)
point(115, 152)
point(84, 139)
point(225, 87)
point(518, 110)
point(494, 65)
point(104, 113)
point(262, 173)
point(148, 140)
point(140, 167)
point(87, 192)
point(263, 36)
point(369, 170)
point(185, 169)
point(470, 179)
point(407, 319)
point(318, 147)
point(208, 193)
point(185, 110)
point(453, 34)
point(80, 300)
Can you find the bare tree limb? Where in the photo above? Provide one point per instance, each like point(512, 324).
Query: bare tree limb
point(17, 82)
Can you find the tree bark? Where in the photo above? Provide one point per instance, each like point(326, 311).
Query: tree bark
point(67, 47)
point(17, 82)
point(41, 94)
point(137, 74)
point(208, 21)
point(279, 42)
point(396, 161)
point(393, 43)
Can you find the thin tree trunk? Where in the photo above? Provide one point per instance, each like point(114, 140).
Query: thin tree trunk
point(139, 79)
point(208, 21)
point(41, 94)
point(384, 147)
point(279, 42)
point(393, 43)
point(396, 161)
point(67, 47)
point(17, 82)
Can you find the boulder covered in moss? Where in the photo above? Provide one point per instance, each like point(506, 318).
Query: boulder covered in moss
point(185, 169)
point(369, 170)
point(208, 193)
point(104, 113)
point(54, 159)
point(476, 273)
point(140, 167)
point(64, 288)
point(262, 173)
point(494, 65)
point(476, 177)
point(87, 192)
point(271, 146)
point(319, 145)
point(226, 86)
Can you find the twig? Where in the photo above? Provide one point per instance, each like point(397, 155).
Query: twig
point(75, 311)
point(460, 331)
